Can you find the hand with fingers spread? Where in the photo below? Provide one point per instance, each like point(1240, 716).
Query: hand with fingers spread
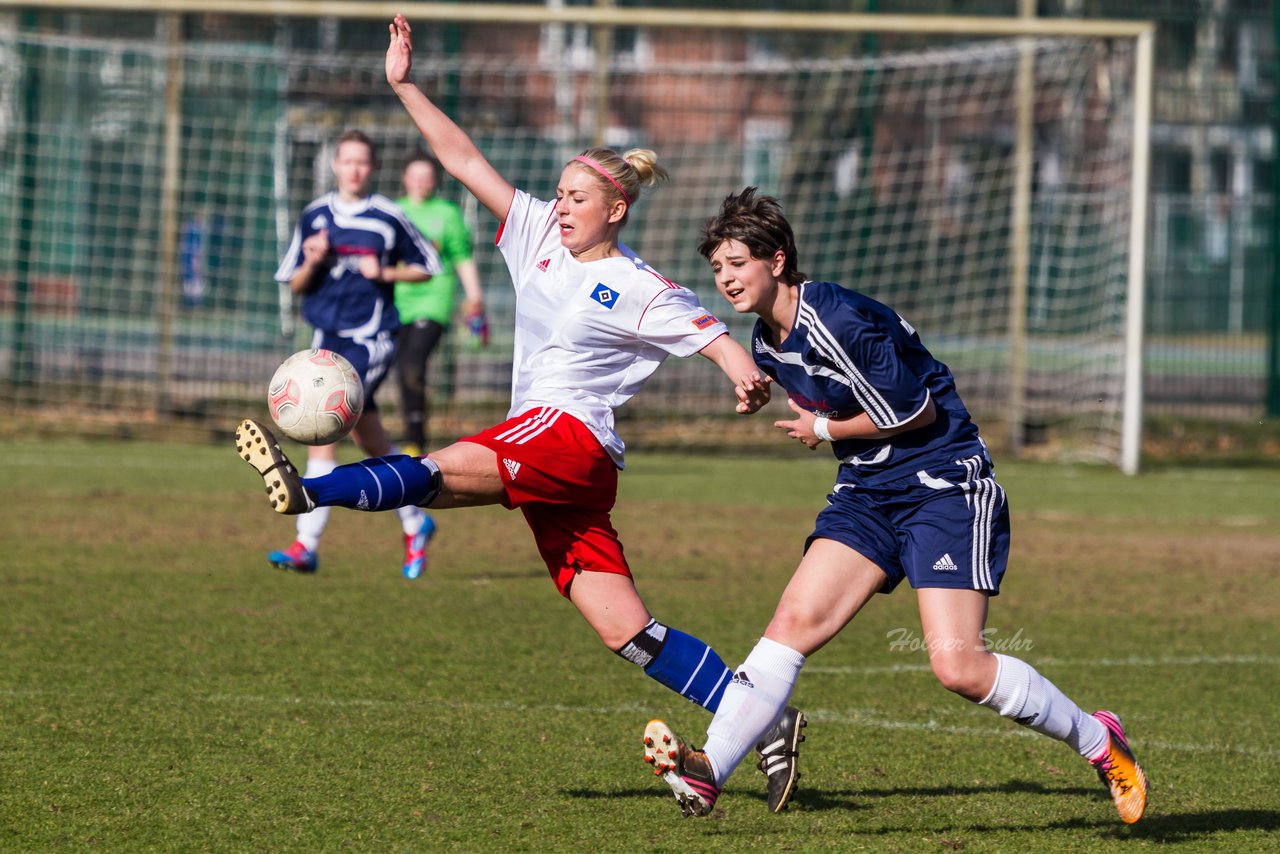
point(753, 393)
point(399, 51)
point(801, 427)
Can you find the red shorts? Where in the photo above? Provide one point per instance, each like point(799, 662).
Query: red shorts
point(564, 482)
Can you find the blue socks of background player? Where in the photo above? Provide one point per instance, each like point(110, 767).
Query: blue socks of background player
point(378, 483)
point(683, 663)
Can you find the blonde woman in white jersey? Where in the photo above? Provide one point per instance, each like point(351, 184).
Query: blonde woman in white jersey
point(593, 322)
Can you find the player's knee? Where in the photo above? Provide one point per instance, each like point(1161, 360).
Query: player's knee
point(614, 638)
point(800, 626)
point(960, 673)
point(638, 642)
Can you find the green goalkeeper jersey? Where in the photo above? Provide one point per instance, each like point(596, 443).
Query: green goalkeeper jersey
point(440, 221)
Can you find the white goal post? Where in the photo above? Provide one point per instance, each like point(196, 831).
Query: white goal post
point(1037, 66)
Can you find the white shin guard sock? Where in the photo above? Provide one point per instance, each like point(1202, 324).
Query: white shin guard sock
point(751, 704)
point(311, 525)
point(410, 519)
point(1021, 694)
point(410, 516)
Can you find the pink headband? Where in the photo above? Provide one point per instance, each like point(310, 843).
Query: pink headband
point(596, 166)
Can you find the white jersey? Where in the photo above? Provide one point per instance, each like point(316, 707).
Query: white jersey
point(588, 335)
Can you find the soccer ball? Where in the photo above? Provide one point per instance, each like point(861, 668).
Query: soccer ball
point(315, 397)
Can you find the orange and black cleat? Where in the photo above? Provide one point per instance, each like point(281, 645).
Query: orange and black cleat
point(1119, 771)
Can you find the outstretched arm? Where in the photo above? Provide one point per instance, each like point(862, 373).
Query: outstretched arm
point(450, 143)
point(751, 387)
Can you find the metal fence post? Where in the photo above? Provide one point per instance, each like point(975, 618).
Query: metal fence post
point(1273, 325)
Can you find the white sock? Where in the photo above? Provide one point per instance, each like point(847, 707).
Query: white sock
point(410, 518)
point(311, 525)
point(751, 704)
point(1023, 695)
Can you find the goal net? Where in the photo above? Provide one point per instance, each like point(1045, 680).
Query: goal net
point(152, 178)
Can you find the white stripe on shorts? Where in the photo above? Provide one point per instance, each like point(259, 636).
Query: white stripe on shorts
point(983, 495)
point(986, 505)
point(530, 427)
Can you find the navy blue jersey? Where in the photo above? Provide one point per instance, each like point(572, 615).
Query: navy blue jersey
point(346, 303)
point(847, 354)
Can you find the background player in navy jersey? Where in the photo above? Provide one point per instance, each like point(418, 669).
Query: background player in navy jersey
point(914, 498)
point(592, 324)
point(349, 249)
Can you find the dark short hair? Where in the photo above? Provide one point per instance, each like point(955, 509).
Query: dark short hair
point(757, 223)
point(354, 135)
point(425, 157)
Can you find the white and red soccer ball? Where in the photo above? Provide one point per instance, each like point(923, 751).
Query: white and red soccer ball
point(315, 397)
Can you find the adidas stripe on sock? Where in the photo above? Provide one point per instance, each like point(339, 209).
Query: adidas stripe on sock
point(378, 483)
point(1021, 694)
point(683, 663)
point(752, 703)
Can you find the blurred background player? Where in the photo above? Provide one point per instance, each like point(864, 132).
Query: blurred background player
point(915, 498)
point(593, 322)
point(426, 308)
point(349, 248)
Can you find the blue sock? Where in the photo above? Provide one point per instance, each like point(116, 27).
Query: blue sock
point(378, 483)
point(683, 663)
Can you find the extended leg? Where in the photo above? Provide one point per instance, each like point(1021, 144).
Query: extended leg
point(953, 623)
point(829, 587)
point(831, 584)
point(377, 483)
point(609, 603)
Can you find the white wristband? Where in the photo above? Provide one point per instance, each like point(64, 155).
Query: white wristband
point(822, 430)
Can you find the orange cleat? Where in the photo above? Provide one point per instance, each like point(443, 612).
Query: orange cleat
point(1119, 771)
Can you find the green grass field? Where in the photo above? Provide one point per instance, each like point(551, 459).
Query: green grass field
point(161, 689)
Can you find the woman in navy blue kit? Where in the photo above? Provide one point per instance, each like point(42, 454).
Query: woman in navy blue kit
point(349, 249)
point(915, 498)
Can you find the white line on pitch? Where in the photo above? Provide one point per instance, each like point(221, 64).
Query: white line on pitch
point(867, 719)
point(874, 722)
point(1133, 661)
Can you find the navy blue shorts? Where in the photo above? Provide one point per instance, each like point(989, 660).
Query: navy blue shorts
point(371, 357)
point(945, 528)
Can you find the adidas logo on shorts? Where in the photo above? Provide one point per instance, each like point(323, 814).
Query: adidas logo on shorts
point(512, 467)
point(945, 564)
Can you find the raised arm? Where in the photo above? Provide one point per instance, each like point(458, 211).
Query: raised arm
point(450, 143)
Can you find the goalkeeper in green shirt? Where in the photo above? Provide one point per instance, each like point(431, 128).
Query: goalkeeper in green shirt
point(426, 308)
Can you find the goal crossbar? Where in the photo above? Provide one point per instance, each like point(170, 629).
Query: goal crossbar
point(626, 17)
